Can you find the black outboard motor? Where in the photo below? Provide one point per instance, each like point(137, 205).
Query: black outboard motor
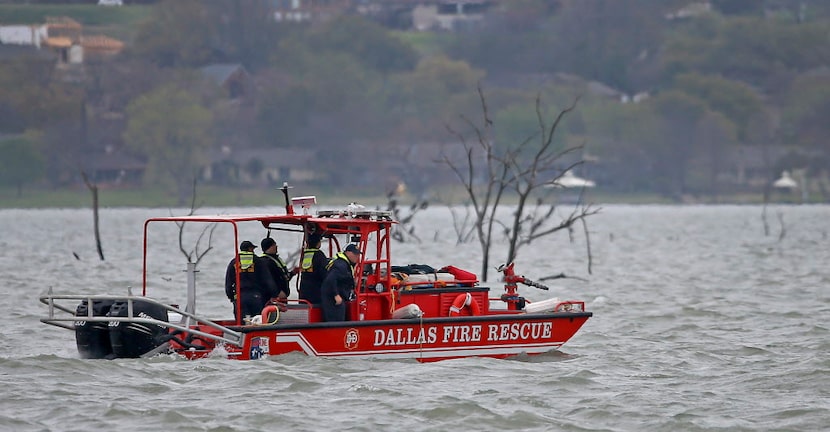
point(132, 340)
point(93, 338)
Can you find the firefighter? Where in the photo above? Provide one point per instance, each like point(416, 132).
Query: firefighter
point(257, 287)
point(338, 287)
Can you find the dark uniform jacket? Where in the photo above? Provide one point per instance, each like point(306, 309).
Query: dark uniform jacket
point(257, 286)
point(312, 276)
point(339, 281)
point(279, 273)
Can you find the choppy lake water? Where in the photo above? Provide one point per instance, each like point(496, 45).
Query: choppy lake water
point(701, 323)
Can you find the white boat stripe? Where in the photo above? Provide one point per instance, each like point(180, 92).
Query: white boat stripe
point(309, 349)
point(299, 339)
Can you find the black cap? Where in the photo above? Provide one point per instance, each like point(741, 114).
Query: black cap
point(315, 238)
point(246, 246)
point(352, 248)
point(267, 242)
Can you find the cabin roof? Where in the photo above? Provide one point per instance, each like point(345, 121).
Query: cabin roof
point(326, 222)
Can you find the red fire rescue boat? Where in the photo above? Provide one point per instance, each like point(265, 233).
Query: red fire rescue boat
point(427, 316)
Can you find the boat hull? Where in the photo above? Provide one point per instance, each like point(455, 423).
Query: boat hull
point(426, 340)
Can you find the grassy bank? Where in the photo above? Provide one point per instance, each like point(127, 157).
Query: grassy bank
point(75, 198)
point(117, 22)
point(212, 196)
point(88, 15)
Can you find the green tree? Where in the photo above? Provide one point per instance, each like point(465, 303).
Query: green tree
point(620, 33)
point(734, 99)
point(178, 33)
point(427, 91)
point(283, 114)
point(738, 7)
point(31, 99)
point(339, 99)
point(622, 136)
point(246, 29)
point(21, 162)
point(329, 97)
point(715, 135)
point(338, 80)
point(515, 118)
point(172, 130)
point(757, 51)
point(768, 45)
point(689, 48)
point(679, 115)
point(807, 112)
point(502, 49)
point(366, 41)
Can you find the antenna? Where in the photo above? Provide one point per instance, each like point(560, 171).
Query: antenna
point(289, 209)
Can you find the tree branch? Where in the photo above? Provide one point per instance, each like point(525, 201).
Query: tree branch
point(94, 189)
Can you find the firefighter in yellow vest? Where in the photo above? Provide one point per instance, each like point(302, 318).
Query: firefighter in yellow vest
point(338, 287)
point(257, 286)
point(276, 268)
point(312, 270)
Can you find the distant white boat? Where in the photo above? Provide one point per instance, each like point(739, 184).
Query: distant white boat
point(570, 180)
point(785, 182)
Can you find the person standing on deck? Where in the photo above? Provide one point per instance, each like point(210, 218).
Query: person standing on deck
point(276, 268)
point(256, 285)
point(313, 270)
point(338, 286)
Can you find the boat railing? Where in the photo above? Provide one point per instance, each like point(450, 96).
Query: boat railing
point(555, 305)
point(57, 318)
point(552, 305)
point(448, 283)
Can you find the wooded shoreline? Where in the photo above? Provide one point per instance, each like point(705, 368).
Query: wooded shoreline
point(231, 197)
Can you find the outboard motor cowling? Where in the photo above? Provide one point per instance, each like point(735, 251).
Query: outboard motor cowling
point(93, 338)
point(130, 339)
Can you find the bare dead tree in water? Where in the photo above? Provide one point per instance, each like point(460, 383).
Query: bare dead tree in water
point(462, 224)
point(783, 231)
point(588, 245)
point(194, 253)
point(519, 171)
point(94, 189)
point(561, 276)
point(464, 229)
point(405, 228)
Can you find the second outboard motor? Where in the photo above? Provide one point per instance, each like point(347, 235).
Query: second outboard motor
point(132, 340)
point(93, 338)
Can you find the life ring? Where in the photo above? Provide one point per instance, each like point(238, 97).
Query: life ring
point(462, 301)
point(270, 315)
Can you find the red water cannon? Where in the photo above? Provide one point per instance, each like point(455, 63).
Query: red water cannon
point(511, 280)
